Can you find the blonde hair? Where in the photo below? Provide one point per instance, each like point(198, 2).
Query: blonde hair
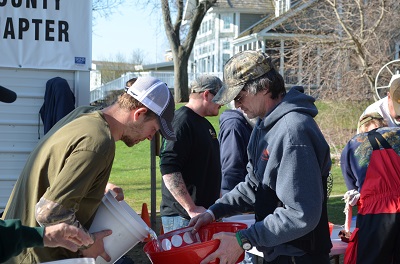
point(371, 121)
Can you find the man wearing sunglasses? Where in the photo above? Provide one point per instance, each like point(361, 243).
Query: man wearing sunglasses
point(289, 162)
point(190, 165)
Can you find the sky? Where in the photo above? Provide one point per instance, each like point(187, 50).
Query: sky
point(129, 28)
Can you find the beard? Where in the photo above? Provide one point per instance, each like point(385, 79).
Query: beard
point(132, 134)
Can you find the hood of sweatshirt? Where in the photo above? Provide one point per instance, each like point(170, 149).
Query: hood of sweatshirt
point(294, 101)
point(233, 114)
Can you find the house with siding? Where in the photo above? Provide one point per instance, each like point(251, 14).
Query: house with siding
point(224, 22)
point(230, 27)
point(277, 36)
point(233, 26)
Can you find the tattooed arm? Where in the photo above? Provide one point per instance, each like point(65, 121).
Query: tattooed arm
point(176, 185)
point(49, 213)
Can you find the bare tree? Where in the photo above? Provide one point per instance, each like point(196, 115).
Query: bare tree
point(114, 66)
point(105, 7)
point(181, 39)
point(343, 44)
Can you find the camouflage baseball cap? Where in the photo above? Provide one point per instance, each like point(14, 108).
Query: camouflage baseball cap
point(240, 69)
point(206, 82)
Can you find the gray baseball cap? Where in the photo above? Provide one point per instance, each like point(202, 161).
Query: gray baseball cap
point(240, 69)
point(206, 82)
point(155, 95)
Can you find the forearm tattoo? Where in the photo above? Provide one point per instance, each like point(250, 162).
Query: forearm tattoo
point(49, 213)
point(176, 184)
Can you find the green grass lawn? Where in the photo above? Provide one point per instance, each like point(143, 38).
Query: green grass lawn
point(131, 168)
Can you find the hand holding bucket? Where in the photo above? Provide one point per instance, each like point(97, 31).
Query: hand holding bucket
point(128, 229)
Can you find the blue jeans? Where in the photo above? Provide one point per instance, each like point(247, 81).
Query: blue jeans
point(249, 258)
point(171, 223)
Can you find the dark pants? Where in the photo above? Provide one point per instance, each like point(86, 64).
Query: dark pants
point(305, 259)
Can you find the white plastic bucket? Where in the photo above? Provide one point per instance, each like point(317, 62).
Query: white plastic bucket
point(127, 227)
point(72, 261)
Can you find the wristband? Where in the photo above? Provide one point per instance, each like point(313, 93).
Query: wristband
point(211, 213)
point(239, 240)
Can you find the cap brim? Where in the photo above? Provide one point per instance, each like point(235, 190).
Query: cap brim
point(166, 129)
point(227, 93)
point(6, 95)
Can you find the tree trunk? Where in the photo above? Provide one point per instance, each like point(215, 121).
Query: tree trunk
point(181, 88)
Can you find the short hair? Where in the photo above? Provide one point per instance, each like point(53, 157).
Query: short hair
point(127, 102)
point(271, 81)
point(374, 119)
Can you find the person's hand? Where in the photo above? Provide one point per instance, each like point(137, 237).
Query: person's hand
point(97, 249)
point(118, 191)
point(67, 236)
point(200, 220)
point(228, 251)
point(196, 211)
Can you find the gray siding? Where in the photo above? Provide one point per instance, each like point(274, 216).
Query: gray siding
point(19, 121)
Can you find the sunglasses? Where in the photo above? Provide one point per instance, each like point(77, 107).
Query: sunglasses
point(238, 99)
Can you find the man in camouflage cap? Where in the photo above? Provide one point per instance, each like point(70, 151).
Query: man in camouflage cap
point(289, 163)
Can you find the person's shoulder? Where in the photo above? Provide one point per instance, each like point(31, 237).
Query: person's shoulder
point(182, 115)
point(390, 132)
point(373, 107)
point(231, 114)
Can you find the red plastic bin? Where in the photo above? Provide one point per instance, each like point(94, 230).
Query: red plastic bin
point(193, 253)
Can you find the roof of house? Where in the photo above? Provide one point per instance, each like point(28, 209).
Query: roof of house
point(245, 6)
point(281, 23)
point(160, 66)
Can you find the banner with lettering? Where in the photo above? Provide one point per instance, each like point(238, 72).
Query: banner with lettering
point(46, 34)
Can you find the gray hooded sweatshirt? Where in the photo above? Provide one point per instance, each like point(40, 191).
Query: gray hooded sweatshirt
point(289, 154)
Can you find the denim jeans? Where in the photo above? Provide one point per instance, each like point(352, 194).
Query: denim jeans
point(249, 258)
point(171, 223)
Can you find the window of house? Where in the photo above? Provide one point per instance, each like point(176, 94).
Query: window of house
point(226, 22)
point(226, 45)
point(281, 7)
point(205, 27)
point(225, 58)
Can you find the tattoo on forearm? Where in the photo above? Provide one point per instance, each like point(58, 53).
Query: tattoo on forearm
point(176, 184)
point(50, 213)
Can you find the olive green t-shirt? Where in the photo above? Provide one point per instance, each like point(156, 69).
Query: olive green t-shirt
point(71, 167)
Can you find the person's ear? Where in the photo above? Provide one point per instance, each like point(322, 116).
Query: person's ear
point(205, 94)
point(139, 113)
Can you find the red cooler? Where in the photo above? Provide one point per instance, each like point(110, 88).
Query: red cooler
point(180, 246)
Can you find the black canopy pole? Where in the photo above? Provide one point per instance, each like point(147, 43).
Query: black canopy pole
point(154, 151)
